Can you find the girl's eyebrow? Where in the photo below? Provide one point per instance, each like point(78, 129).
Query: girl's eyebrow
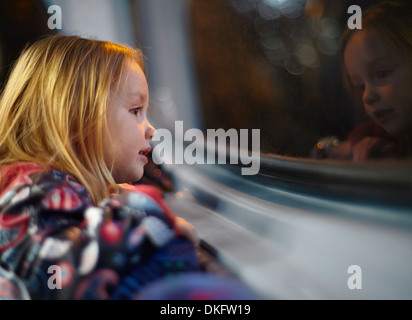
point(137, 95)
point(377, 60)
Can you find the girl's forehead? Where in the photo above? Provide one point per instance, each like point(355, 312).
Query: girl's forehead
point(369, 47)
point(373, 49)
point(132, 82)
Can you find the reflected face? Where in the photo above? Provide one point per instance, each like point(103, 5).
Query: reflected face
point(382, 78)
point(126, 142)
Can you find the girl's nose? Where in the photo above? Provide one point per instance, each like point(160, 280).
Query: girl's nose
point(150, 131)
point(370, 95)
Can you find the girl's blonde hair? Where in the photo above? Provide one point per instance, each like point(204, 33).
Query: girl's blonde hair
point(392, 21)
point(53, 107)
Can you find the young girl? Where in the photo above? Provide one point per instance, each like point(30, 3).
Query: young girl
point(73, 133)
point(377, 61)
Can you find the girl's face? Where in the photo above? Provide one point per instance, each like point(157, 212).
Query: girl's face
point(382, 78)
point(127, 141)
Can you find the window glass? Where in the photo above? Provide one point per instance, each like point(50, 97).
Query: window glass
point(274, 65)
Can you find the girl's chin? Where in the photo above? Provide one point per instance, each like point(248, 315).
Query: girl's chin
point(131, 177)
point(393, 129)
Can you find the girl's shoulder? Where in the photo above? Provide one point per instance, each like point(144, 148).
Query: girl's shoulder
point(22, 178)
point(35, 197)
point(17, 173)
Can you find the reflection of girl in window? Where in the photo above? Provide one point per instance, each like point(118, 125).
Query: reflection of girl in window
point(377, 62)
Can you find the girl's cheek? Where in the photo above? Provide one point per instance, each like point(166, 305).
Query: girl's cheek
point(368, 111)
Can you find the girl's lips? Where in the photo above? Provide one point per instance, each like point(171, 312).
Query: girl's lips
point(383, 116)
point(144, 158)
point(143, 153)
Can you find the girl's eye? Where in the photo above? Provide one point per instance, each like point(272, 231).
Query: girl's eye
point(136, 111)
point(382, 74)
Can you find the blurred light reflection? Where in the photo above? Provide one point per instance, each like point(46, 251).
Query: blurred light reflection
point(329, 27)
point(245, 5)
point(275, 3)
point(265, 29)
point(272, 43)
point(328, 46)
point(164, 101)
point(279, 37)
point(291, 9)
point(308, 56)
point(293, 66)
point(267, 12)
point(314, 9)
